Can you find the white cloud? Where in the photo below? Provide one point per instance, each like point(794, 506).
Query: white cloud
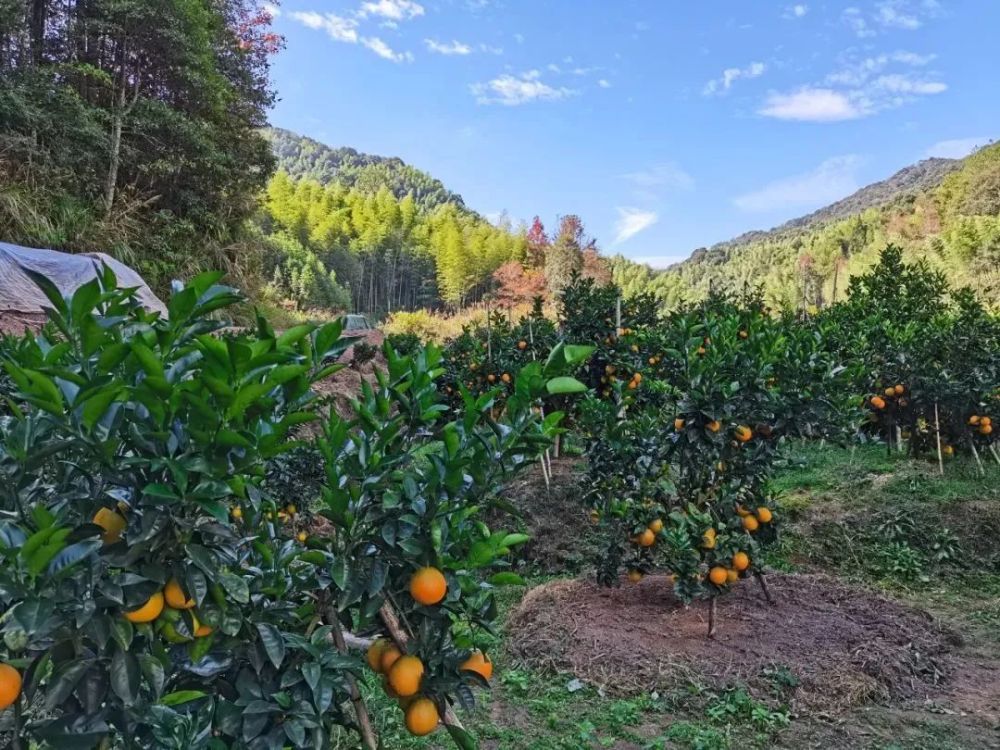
point(271, 9)
point(512, 91)
point(731, 75)
point(907, 15)
point(631, 221)
point(666, 175)
point(519, 38)
point(445, 48)
point(394, 10)
point(832, 180)
point(857, 23)
point(491, 50)
point(860, 88)
point(956, 148)
point(553, 68)
point(798, 10)
point(337, 27)
point(810, 105)
point(384, 51)
point(604, 83)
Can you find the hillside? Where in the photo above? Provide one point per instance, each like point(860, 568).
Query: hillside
point(304, 157)
point(916, 178)
point(942, 211)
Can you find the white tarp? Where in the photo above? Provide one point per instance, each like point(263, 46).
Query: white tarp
point(18, 293)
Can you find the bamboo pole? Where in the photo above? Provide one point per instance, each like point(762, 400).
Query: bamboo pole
point(975, 454)
point(993, 450)
point(937, 432)
point(712, 606)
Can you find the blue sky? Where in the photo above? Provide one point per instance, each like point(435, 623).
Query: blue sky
point(665, 124)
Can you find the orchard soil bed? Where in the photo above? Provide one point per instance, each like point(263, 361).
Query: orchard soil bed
point(845, 646)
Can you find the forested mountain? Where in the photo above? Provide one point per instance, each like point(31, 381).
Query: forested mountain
point(945, 212)
point(133, 128)
point(300, 157)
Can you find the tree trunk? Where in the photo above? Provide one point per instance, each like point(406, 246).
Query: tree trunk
point(36, 29)
point(111, 181)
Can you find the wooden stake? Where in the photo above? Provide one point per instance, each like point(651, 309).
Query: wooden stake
point(360, 710)
point(993, 450)
point(618, 314)
point(711, 616)
point(975, 454)
point(899, 439)
point(937, 432)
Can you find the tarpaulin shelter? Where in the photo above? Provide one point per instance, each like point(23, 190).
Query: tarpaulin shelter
point(22, 303)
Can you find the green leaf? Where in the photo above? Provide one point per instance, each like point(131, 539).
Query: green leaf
point(73, 554)
point(180, 697)
point(125, 676)
point(274, 644)
point(462, 738)
point(506, 579)
point(512, 540)
point(565, 385)
point(235, 587)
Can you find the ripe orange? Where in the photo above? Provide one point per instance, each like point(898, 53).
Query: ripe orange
point(750, 523)
point(986, 421)
point(656, 526)
point(505, 377)
point(646, 538)
point(714, 426)
point(200, 631)
point(718, 576)
point(678, 424)
point(742, 511)
point(422, 717)
point(112, 523)
point(764, 515)
point(406, 675)
point(478, 662)
point(899, 389)
point(10, 685)
point(743, 334)
point(974, 420)
point(522, 345)
point(878, 402)
point(637, 377)
point(428, 586)
point(491, 377)
point(651, 360)
point(632, 385)
point(985, 429)
point(743, 433)
point(390, 654)
point(948, 450)
point(374, 654)
point(635, 576)
point(732, 576)
point(741, 561)
point(148, 611)
point(890, 391)
point(174, 595)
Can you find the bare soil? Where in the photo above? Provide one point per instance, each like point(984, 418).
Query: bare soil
point(846, 646)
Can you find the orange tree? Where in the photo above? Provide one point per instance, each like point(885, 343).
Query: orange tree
point(930, 356)
point(150, 594)
point(408, 483)
point(680, 464)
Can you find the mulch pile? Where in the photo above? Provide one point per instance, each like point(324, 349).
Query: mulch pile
point(845, 646)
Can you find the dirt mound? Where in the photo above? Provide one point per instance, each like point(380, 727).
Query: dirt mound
point(843, 646)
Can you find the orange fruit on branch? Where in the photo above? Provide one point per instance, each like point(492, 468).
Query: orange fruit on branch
point(974, 420)
point(646, 538)
point(718, 576)
point(750, 523)
point(428, 586)
point(714, 426)
point(406, 675)
point(764, 514)
point(389, 656)
point(174, 595)
point(112, 523)
point(890, 391)
point(678, 424)
point(522, 345)
point(877, 402)
point(148, 611)
point(10, 686)
point(422, 717)
point(743, 433)
point(479, 663)
point(741, 561)
point(899, 389)
point(656, 526)
point(374, 654)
